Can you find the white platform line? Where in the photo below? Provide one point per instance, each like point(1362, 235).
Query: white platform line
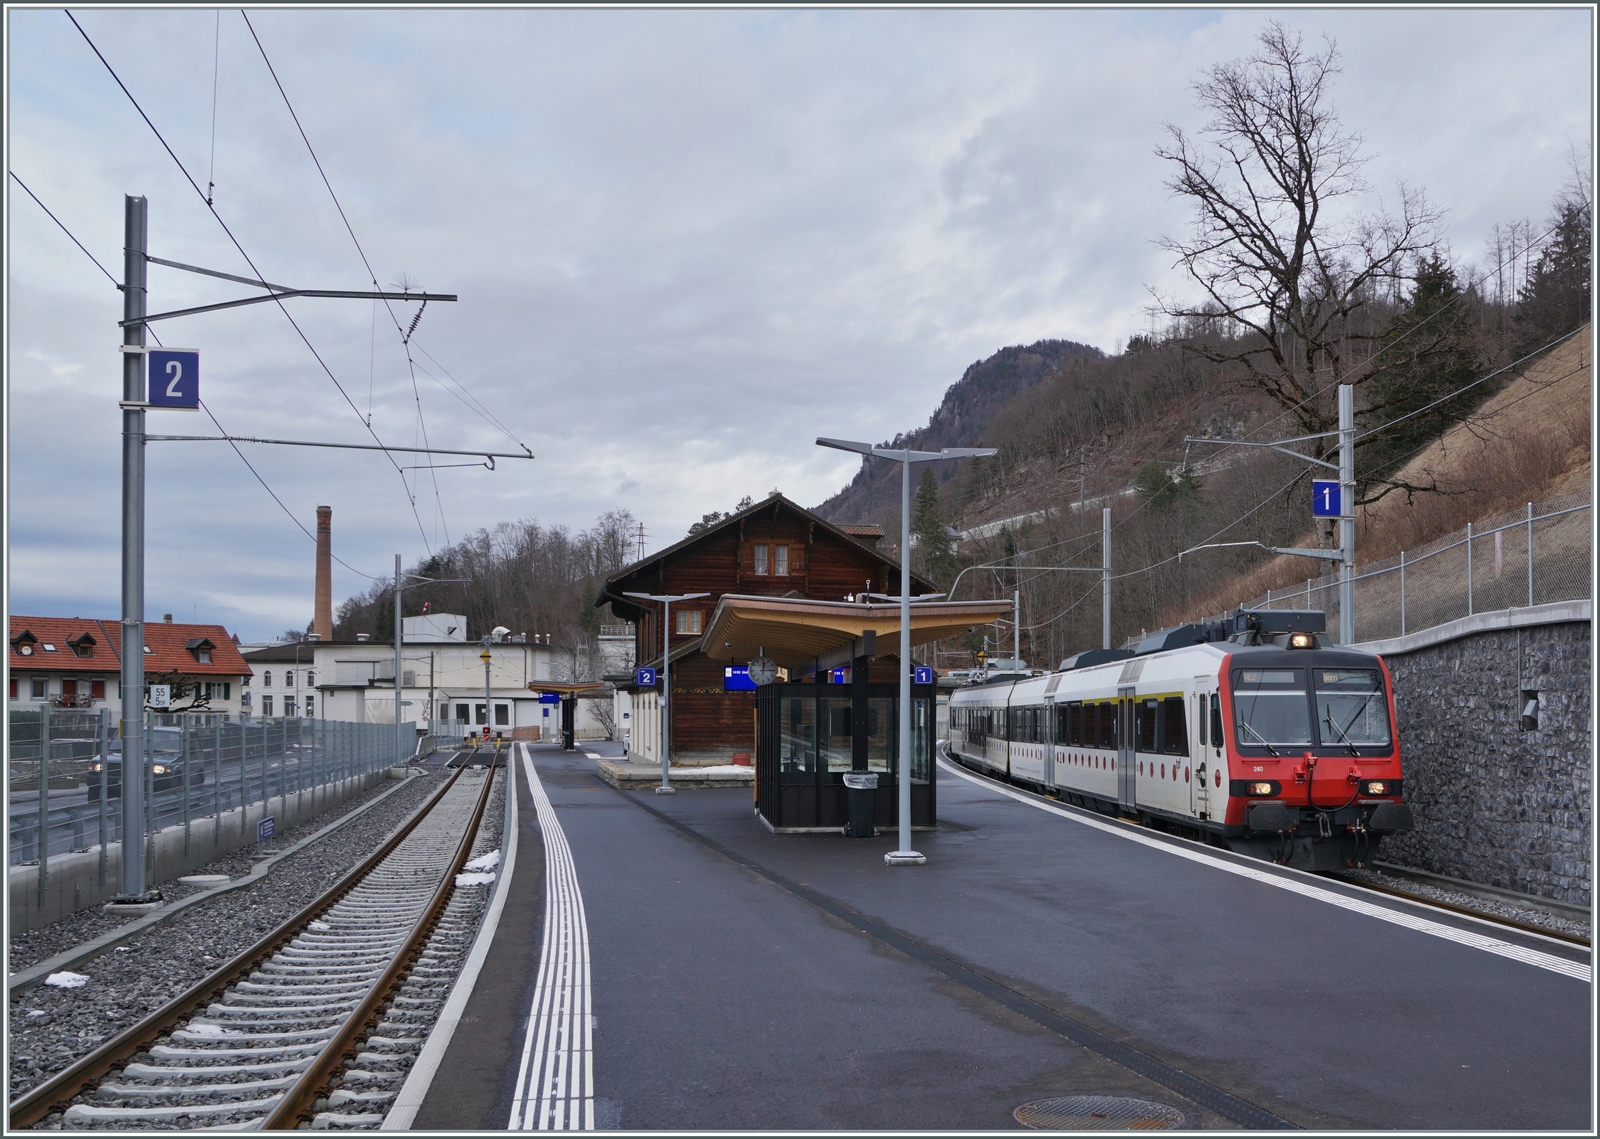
point(1575, 969)
point(555, 1080)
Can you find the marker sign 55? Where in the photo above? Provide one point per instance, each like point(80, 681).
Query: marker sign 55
point(174, 378)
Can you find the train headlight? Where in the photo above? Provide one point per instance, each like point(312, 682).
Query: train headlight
point(1303, 641)
point(1258, 789)
point(1375, 787)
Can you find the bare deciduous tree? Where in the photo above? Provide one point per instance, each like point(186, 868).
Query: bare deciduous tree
point(1284, 256)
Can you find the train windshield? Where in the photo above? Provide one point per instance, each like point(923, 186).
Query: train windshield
point(1270, 707)
point(1350, 706)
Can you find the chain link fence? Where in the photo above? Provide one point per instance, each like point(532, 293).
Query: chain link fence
point(65, 774)
point(1526, 557)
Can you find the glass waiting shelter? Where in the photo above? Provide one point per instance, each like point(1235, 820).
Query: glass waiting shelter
point(809, 735)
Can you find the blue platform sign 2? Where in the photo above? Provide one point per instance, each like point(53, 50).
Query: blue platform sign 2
point(921, 674)
point(174, 378)
point(736, 678)
point(266, 828)
point(644, 677)
point(549, 697)
point(1326, 501)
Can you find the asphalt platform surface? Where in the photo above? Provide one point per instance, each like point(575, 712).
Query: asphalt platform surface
point(744, 980)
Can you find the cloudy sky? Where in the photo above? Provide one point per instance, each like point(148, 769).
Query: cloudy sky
point(686, 243)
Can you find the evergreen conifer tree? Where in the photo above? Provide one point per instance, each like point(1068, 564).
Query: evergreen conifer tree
point(935, 557)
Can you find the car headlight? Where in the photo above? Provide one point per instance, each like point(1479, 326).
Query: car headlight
point(159, 769)
point(94, 767)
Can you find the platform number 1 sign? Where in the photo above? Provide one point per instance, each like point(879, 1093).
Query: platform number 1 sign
point(1326, 501)
point(174, 377)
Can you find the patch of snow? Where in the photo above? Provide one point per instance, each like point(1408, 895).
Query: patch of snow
point(484, 861)
point(37, 1012)
point(718, 769)
point(209, 1030)
point(474, 879)
point(320, 926)
point(67, 980)
point(124, 949)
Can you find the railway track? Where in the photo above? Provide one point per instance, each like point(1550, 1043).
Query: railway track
point(315, 1024)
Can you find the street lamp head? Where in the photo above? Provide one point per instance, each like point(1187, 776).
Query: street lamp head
point(968, 452)
point(499, 631)
point(845, 445)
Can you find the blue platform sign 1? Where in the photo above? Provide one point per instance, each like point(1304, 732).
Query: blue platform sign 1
point(174, 378)
point(644, 677)
point(266, 828)
point(839, 675)
point(1326, 501)
point(736, 678)
point(549, 697)
point(921, 674)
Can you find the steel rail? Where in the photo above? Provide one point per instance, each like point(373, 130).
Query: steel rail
point(1482, 915)
point(85, 1074)
point(299, 1102)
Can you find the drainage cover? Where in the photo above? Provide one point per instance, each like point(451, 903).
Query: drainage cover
point(1098, 1113)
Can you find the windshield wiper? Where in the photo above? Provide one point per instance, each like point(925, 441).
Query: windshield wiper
point(1246, 725)
point(1327, 718)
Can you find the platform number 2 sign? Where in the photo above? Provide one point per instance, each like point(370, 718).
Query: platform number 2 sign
point(174, 378)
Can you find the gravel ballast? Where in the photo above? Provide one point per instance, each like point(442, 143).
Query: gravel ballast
point(51, 1027)
point(1506, 908)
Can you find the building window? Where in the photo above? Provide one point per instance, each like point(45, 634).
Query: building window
point(83, 649)
point(266, 681)
point(481, 714)
point(311, 679)
point(288, 706)
point(41, 688)
point(69, 689)
point(780, 560)
point(444, 711)
point(244, 682)
point(463, 713)
point(266, 705)
point(227, 689)
point(13, 688)
point(97, 690)
point(310, 707)
point(288, 678)
point(502, 715)
point(689, 620)
point(203, 655)
point(761, 558)
point(244, 699)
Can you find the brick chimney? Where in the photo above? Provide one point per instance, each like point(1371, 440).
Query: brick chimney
point(322, 623)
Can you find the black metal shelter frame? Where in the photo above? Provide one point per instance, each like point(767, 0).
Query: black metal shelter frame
point(809, 735)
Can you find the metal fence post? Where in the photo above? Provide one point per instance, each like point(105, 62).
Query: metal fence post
point(149, 783)
point(44, 799)
point(1469, 569)
point(216, 783)
point(183, 764)
point(105, 762)
point(1402, 593)
point(1530, 555)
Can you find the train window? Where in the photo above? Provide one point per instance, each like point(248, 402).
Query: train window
point(1350, 706)
point(1174, 732)
point(1144, 727)
point(1108, 725)
point(1067, 716)
point(1216, 719)
point(1270, 707)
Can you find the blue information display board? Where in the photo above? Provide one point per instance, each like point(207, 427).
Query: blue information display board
point(839, 676)
point(549, 698)
point(921, 674)
point(174, 377)
point(644, 677)
point(1326, 501)
point(736, 678)
point(266, 828)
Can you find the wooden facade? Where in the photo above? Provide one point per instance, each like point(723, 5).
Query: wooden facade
point(742, 554)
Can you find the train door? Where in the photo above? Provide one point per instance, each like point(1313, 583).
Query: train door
point(1127, 788)
point(1202, 745)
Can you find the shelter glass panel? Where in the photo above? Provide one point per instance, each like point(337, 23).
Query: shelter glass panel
point(834, 750)
point(883, 733)
point(921, 739)
point(797, 740)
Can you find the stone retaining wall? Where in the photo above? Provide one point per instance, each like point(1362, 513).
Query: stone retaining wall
point(1496, 803)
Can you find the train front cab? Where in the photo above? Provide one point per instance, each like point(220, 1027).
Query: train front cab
point(1314, 778)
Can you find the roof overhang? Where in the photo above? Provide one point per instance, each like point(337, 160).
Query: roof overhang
point(565, 687)
point(795, 632)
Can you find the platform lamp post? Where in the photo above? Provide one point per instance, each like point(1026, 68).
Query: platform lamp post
point(666, 600)
point(905, 856)
point(487, 657)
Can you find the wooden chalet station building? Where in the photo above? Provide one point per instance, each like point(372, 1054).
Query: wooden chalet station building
point(783, 583)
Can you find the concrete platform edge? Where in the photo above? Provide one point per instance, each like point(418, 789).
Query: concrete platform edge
point(638, 776)
point(409, 1101)
point(34, 974)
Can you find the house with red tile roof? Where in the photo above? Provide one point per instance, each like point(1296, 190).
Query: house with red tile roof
point(76, 662)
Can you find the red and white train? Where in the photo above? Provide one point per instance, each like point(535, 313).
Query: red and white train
point(1253, 733)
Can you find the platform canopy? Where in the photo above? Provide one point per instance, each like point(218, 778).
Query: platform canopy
point(795, 631)
point(565, 687)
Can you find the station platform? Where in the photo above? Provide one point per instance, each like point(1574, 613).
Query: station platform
point(681, 967)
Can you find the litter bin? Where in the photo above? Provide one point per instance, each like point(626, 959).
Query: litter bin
point(860, 786)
